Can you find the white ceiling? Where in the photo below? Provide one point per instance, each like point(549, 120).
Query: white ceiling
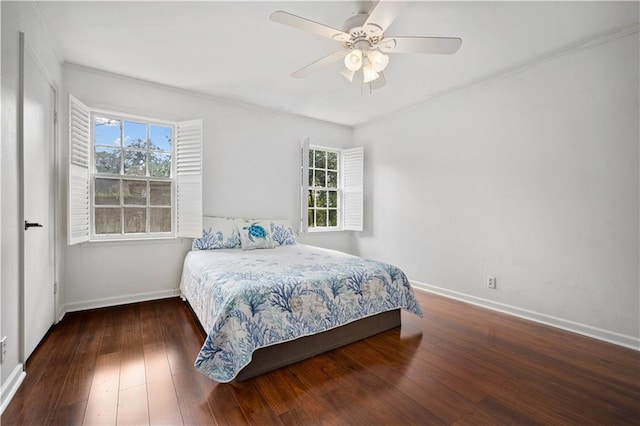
point(232, 50)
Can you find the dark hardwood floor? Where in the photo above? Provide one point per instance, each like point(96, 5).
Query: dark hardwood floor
point(460, 365)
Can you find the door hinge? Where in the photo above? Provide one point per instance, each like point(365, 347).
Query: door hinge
point(55, 288)
point(55, 117)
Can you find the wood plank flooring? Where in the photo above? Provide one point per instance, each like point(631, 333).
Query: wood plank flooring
point(460, 365)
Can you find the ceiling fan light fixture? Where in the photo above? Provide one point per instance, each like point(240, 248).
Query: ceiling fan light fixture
point(364, 44)
point(378, 60)
point(369, 73)
point(348, 74)
point(353, 61)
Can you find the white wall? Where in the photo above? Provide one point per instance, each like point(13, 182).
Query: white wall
point(251, 169)
point(16, 17)
point(533, 178)
point(1, 135)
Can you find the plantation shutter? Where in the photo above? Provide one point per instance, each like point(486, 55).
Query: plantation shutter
point(189, 178)
point(78, 212)
point(352, 189)
point(304, 186)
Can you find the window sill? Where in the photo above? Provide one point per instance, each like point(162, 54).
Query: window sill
point(131, 241)
point(323, 230)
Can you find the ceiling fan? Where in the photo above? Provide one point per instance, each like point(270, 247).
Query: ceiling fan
point(364, 42)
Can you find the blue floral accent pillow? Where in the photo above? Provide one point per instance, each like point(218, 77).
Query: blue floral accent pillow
point(218, 233)
point(256, 235)
point(282, 233)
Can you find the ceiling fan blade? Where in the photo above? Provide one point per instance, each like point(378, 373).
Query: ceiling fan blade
point(287, 18)
point(378, 82)
point(435, 45)
point(384, 13)
point(314, 66)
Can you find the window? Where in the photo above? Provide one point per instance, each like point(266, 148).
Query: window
point(332, 183)
point(132, 178)
point(323, 188)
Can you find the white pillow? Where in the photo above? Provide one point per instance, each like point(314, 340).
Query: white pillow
point(282, 232)
point(256, 235)
point(218, 233)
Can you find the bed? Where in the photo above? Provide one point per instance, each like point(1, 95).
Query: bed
point(263, 309)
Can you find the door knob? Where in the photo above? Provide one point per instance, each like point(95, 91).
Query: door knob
point(28, 225)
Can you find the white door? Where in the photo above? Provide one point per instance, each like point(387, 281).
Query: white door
point(39, 187)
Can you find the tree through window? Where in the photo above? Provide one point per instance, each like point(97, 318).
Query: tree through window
point(323, 196)
point(132, 179)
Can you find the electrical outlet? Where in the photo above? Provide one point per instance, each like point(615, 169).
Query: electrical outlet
point(3, 353)
point(491, 282)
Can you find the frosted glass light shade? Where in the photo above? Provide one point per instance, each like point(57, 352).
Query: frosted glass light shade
point(353, 61)
point(370, 73)
point(378, 60)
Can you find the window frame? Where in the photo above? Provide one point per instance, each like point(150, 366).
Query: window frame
point(188, 145)
point(338, 189)
point(94, 174)
point(351, 189)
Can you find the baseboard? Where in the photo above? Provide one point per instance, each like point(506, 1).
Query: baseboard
point(61, 313)
point(10, 387)
point(121, 300)
point(574, 327)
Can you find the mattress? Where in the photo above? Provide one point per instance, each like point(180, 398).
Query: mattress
point(246, 300)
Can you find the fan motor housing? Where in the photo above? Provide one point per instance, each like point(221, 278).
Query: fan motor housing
point(360, 34)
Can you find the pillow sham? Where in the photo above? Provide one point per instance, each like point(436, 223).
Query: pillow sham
point(218, 233)
point(282, 232)
point(256, 235)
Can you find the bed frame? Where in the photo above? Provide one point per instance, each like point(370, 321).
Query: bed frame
point(276, 356)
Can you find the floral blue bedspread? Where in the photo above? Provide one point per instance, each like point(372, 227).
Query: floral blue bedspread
point(252, 299)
